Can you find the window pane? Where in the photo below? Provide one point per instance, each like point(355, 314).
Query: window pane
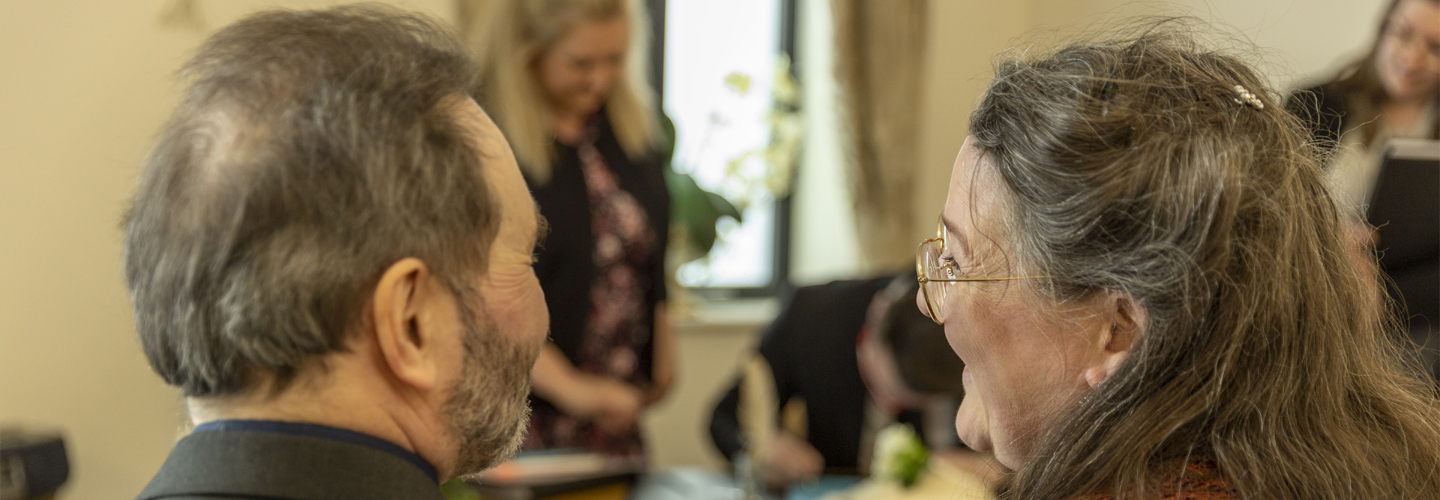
point(706, 42)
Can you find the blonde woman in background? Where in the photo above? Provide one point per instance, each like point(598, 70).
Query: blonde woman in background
point(564, 80)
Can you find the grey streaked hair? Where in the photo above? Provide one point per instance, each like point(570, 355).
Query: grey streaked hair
point(311, 151)
point(1128, 166)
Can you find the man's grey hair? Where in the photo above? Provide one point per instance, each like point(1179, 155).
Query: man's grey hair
point(311, 152)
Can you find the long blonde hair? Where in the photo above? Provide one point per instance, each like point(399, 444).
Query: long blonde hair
point(507, 36)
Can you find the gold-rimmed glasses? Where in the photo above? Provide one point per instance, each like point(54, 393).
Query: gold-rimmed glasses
point(935, 276)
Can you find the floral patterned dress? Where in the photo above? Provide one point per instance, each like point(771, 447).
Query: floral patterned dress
point(618, 326)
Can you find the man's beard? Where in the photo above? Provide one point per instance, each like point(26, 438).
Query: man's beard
point(488, 411)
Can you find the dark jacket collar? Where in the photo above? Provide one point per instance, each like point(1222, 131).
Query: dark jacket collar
point(322, 431)
point(251, 464)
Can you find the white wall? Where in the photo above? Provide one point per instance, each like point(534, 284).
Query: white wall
point(964, 36)
point(823, 235)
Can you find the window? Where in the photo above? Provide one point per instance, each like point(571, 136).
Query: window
point(718, 70)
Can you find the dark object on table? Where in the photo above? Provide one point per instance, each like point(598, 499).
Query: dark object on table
point(1405, 209)
point(33, 464)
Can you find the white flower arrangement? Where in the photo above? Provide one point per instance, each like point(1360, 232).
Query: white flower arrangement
point(900, 456)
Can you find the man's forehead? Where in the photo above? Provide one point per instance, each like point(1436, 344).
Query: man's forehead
point(519, 215)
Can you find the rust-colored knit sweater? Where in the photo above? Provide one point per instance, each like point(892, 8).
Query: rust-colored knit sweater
point(1201, 480)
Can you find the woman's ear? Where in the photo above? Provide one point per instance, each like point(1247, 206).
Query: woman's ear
point(1128, 319)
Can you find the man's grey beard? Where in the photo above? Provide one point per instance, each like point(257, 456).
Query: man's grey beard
point(488, 410)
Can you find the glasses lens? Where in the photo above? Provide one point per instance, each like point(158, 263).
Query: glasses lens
point(929, 260)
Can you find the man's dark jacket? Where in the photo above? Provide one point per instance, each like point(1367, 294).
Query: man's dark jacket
point(265, 465)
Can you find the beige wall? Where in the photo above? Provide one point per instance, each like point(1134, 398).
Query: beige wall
point(1298, 41)
point(964, 34)
point(84, 86)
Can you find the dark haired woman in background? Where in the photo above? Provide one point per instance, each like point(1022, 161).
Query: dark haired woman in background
point(1390, 93)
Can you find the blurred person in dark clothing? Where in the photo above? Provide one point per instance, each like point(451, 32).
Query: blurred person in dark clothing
point(1390, 93)
point(860, 357)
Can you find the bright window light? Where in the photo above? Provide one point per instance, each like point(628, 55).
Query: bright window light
point(706, 43)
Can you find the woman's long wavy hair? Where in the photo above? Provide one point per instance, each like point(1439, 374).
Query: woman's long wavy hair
point(508, 35)
point(1361, 80)
point(1132, 165)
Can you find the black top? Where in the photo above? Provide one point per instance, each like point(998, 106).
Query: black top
point(811, 351)
point(566, 263)
point(1324, 110)
point(271, 465)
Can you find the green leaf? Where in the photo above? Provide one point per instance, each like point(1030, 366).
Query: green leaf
point(900, 456)
point(458, 489)
point(667, 140)
point(740, 82)
point(692, 208)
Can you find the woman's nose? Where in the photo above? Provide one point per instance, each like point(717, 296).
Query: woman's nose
point(920, 303)
point(1412, 54)
point(602, 78)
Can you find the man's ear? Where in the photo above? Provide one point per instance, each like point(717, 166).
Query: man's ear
point(1127, 324)
point(405, 311)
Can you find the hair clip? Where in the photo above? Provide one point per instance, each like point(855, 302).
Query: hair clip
point(1245, 98)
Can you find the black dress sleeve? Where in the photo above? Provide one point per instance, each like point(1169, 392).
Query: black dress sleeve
point(564, 265)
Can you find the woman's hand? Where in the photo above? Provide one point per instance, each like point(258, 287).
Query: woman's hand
point(613, 405)
point(663, 374)
point(1360, 240)
point(792, 460)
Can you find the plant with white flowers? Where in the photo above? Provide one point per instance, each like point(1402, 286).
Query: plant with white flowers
point(900, 456)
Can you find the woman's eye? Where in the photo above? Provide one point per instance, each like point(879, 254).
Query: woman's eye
point(949, 265)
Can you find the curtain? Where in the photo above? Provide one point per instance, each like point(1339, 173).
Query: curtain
point(880, 55)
